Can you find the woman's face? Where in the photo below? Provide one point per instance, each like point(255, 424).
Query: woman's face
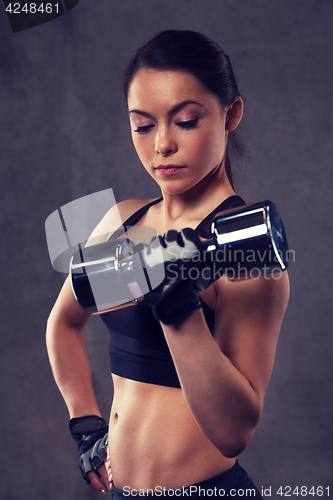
point(178, 128)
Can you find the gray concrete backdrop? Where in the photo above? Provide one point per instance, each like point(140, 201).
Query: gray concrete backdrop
point(64, 135)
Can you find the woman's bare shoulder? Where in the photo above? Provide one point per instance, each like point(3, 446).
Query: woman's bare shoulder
point(115, 218)
point(127, 208)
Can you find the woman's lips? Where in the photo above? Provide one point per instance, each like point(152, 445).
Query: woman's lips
point(168, 169)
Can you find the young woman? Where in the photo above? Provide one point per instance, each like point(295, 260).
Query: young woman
point(187, 395)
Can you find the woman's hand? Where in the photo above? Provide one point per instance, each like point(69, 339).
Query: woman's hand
point(186, 273)
point(102, 477)
point(91, 436)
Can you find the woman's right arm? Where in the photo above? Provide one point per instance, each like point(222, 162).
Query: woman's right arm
point(70, 364)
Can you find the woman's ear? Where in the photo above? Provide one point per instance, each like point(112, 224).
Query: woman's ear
point(234, 114)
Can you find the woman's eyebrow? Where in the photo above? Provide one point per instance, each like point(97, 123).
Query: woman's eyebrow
point(172, 111)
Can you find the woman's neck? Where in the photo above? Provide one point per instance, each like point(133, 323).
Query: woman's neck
point(202, 198)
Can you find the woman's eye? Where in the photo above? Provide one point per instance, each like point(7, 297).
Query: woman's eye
point(188, 123)
point(144, 129)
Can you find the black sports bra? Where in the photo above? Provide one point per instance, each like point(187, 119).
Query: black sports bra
point(137, 346)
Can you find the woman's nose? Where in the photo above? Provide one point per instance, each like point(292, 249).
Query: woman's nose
point(165, 145)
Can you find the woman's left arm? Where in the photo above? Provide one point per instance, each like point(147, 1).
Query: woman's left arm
point(224, 378)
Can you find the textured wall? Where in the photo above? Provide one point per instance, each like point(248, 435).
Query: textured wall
point(64, 134)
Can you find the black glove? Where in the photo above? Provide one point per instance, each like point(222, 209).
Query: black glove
point(186, 274)
point(91, 436)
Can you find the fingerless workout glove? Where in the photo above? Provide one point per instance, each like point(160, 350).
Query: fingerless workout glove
point(186, 274)
point(91, 436)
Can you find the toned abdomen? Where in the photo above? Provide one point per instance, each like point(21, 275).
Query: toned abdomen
point(155, 441)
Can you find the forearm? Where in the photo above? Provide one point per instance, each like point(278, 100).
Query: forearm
point(71, 368)
point(221, 399)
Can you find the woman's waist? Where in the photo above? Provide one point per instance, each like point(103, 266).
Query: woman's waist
point(219, 485)
point(155, 441)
